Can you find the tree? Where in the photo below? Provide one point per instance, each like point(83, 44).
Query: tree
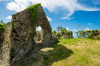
point(61, 29)
point(88, 33)
point(54, 32)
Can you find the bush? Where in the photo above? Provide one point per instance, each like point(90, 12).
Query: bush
point(59, 35)
point(88, 34)
point(96, 37)
point(54, 32)
point(2, 25)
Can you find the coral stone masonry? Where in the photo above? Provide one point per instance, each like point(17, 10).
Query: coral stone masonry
point(19, 34)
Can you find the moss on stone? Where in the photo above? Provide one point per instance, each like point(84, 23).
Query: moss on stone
point(11, 22)
point(9, 36)
point(33, 10)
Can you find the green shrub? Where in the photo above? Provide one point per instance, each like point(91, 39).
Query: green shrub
point(54, 32)
point(59, 35)
point(2, 25)
point(88, 34)
point(96, 37)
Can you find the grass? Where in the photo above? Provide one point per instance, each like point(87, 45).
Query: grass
point(71, 52)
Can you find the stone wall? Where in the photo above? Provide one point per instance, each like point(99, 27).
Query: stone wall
point(68, 35)
point(20, 33)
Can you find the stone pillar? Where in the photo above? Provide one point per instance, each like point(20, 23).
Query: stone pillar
point(6, 47)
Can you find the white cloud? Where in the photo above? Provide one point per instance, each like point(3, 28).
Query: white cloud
point(67, 28)
point(89, 23)
point(75, 30)
point(50, 19)
point(85, 29)
point(38, 28)
point(9, 17)
point(18, 5)
point(70, 6)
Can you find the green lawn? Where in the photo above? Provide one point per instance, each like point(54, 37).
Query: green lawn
point(70, 52)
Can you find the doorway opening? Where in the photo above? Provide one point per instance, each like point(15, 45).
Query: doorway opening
point(38, 35)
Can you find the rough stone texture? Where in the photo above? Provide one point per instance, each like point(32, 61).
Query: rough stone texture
point(1, 35)
point(56, 36)
point(21, 42)
point(46, 28)
point(37, 37)
point(6, 46)
point(67, 35)
point(1, 40)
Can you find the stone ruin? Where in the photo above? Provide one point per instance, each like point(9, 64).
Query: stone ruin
point(19, 35)
point(67, 35)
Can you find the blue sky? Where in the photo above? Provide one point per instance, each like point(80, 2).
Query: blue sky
point(66, 13)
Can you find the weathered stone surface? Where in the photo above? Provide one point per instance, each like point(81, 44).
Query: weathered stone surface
point(37, 37)
point(19, 39)
point(56, 36)
point(67, 35)
point(2, 35)
point(1, 41)
point(6, 46)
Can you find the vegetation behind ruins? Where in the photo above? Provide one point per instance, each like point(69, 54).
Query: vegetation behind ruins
point(2, 25)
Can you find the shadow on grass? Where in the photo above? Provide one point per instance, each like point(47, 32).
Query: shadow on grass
point(46, 57)
point(59, 53)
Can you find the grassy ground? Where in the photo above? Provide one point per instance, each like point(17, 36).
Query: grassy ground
point(70, 52)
